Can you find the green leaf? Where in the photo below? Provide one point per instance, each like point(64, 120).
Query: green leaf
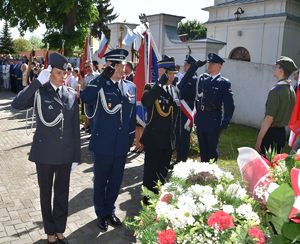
point(291, 231)
point(279, 239)
point(277, 222)
point(281, 201)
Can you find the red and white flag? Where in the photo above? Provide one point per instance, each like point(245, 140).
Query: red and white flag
point(295, 118)
point(103, 45)
point(87, 55)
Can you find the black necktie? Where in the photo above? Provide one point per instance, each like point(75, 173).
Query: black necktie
point(57, 92)
point(169, 91)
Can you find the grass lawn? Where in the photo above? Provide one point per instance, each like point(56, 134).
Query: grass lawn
point(231, 139)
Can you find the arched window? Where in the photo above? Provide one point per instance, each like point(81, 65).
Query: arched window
point(240, 53)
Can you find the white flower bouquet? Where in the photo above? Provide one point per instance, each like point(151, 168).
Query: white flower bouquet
point(199, 204)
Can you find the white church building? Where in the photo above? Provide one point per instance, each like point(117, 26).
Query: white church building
point(249, 34)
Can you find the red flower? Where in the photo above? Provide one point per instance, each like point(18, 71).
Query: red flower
point(257, 235)
point(166, 237)
point(297, 157)
point(278, 157)
point(167, 198)
point(220, 220)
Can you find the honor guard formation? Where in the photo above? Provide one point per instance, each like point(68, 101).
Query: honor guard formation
point(107, 101)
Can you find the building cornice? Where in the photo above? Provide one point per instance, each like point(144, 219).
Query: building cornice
point(265, 16)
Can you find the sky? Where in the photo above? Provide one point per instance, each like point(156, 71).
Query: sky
point(130, 10)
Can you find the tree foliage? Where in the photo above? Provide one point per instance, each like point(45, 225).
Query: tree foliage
point(193, 28)
point(21, 45)
point(67, 20)
point(6, 41)
point(36, 42)
point(106, 15)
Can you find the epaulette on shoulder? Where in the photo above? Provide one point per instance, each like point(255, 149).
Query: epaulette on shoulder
point(221, 78)
point(129, 82)
point(71, 89)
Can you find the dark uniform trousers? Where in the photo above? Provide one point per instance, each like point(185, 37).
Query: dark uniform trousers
point(208, 143)
point(55, 219)
point(274, 139)
point(108, 175)
point(156, 166)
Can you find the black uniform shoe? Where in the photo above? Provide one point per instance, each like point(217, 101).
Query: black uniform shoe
point(102, 223)
point(114, 220)
point(63, 241)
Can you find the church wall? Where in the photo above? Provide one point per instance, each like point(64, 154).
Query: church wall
point(250, 83)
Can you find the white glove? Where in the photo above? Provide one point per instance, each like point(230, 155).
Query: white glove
point(44, 75)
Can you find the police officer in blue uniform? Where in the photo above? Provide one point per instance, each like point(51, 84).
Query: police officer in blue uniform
point(214, 105)
point(56, 142)
point(183, 128)
point(114, 120)
point(162, 102)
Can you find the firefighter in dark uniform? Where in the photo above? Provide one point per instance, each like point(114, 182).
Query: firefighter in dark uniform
point(163, 104)
point(214, 105)
point(184, 127)
point(56, 142)
point(114, 119)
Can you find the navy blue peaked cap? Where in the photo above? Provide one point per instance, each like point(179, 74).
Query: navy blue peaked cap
point(116, 55)
point(56, 60)
point(189, 59)
point(214, 58)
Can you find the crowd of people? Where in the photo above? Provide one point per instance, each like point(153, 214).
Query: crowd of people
point(174, 102)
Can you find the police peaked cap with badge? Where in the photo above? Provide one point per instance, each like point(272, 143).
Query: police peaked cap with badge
point(167, 63)
point(189, 59)
point(116, 55)
point(56, 60)
point(287, 64)
point(214, 58)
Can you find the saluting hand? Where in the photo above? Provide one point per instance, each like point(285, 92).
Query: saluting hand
point(44, 75)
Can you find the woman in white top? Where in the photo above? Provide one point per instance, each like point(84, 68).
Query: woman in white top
point(6, 74)
point(24, 69)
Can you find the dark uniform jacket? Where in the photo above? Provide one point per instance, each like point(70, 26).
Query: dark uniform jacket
point(213, 100)
point(160, 130)
point(59, 144)
point(113, 132)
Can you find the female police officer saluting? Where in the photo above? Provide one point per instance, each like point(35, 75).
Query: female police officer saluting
point(56, 143)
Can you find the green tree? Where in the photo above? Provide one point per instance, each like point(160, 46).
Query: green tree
point(21, 45)
point(193, 28)
point(36, 42)
point(67, 20)
point(6, 41)
point(106, 15)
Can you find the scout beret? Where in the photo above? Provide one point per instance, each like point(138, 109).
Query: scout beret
point(56, 60)
point(287, 64)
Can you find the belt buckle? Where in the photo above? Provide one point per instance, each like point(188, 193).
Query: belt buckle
point(202, 107)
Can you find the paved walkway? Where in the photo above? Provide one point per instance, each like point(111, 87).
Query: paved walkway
point(20, 216)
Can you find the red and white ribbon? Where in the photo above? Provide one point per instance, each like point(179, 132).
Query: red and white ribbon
point(189, 113)
point(295, 180)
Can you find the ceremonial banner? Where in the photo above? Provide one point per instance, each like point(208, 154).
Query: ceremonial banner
point(103, 45)
point(146, 72)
